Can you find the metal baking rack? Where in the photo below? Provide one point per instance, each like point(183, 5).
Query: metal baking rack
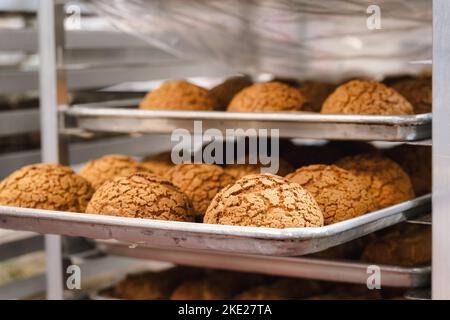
point(402, 129)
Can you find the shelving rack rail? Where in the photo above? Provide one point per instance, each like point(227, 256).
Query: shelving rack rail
point(53, 93)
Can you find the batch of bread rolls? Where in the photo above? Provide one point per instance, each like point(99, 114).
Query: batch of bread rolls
point(315, 185)
point(324, 192)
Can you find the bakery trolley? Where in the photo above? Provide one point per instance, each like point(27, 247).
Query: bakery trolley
point(54, 109)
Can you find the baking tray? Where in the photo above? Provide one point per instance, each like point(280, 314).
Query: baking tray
point(418, 294)
point(425, 219)
point(307, 268)
point(117, 116)
point(248, 240)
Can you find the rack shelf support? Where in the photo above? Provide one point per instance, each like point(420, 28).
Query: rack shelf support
point(53, 94)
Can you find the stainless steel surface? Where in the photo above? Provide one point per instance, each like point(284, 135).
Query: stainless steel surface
point(53, 92)
point(26, 40)
point(19, 5)
point(425, 220)
point(23, 288)
point(88, 77)
point(441, 150)
point(14, 244)
point(427, 143)
point(19, 121)
point(248, 240)
point(307, 268)
point(110, 117)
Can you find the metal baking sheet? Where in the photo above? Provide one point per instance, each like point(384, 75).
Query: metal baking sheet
point(307, 268)
point(425, 219)
point(419, 294)
point(248, 240)
point(116, 116)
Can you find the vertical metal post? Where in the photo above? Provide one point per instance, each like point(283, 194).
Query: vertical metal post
point(53, 93)
point(441, 150)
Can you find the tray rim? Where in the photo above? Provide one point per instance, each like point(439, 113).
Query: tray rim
point(342, 263)
point(289, 234)
point(113, 109)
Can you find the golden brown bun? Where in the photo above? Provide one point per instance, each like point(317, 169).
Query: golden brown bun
point(152, 285)
point(405, 245)
point(46, 186)
point(340, 194)
point(366, 97)
point(416, 161)
point(418, 91)
point(267, 97)
point(200, 182)
point(216, 285)
point(388, 183)
point(198, 290)
point(264, 201)
point(178, 95)
point(282, 289)
point(100, 170)
point(141, 195)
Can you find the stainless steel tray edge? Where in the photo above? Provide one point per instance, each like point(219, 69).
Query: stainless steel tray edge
point(109, 117)
point(307, 268)
point(249, 240)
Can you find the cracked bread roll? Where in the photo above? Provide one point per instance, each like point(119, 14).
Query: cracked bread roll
point(340, 194)
point(46, 186)
point(405, 245)
point(264, 201)
point(387, 181)
point(366, 97)
point(416, 161)
point(178, 95)
point(100, 170)
point(152, 285)
point(201, 289)
point(141, 195)
point(418, 91)
point(282, 289)
point(200, 182)
point(267, 97)
point(216, 285)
